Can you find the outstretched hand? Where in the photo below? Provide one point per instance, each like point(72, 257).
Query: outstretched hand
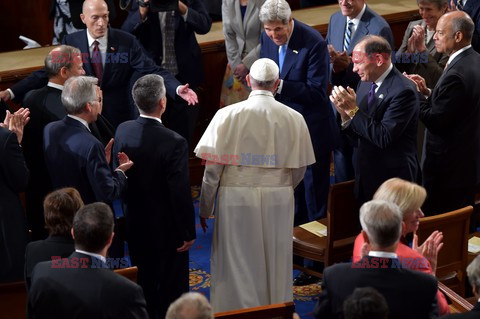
point(188, 94)
point(124, 161)
point(430, 247)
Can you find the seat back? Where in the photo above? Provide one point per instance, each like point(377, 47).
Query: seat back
point(276, 311)
point(343, 224)
point(452, 259)
point(129, 273)
point(13, 300)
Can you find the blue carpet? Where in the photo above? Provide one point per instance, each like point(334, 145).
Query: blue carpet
point(304, 297)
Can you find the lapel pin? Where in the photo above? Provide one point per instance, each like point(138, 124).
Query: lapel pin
point(112, 49)
point(380, 96)
point(295, 51)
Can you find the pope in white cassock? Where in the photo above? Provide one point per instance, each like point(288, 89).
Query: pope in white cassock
point(255, 153)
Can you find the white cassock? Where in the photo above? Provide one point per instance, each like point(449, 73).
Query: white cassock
point(255, 152)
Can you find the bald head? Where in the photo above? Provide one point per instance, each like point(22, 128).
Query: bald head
point(95, 16)
point(454, 31)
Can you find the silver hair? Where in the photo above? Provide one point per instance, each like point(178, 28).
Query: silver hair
point(147, 92)
point(473, 273)
point(263, 84)
point(77, 92)
point(191, 305)
point(63, 56)
point(275, 10)
point(382, 221)
point(438, 3)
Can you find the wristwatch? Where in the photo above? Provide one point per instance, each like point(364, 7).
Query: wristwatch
point(353, 111)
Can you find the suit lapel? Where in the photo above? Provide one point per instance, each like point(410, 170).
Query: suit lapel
point(362, 30)
point(339, 34)
point(292, 50)
point(112, 48)
point(450, 66)
point(83, 46)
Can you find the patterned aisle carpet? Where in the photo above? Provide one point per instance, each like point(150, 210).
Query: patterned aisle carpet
point(304, 297)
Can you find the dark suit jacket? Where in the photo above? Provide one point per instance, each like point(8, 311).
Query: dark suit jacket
point(187, 50)
point(82, 291)
point(158, 196)
point(125, 56)
point(451, 115)
point(385, 134)
point(75, 158)
point(472, 314)
point(46, 106)
point(76, 8)
point(305, 80)
point(370, 23)
point(472, 7)
point(45, 250)
point(409, 294)
point(13, 230)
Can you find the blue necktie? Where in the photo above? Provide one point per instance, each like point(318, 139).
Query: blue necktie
point(281, 56)
point(348, 35)
point(371, 96)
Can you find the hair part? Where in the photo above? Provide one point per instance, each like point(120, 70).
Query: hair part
point(406, 195)
point(147, 92)
point(92, 227)
point(62, 57)
point(191, 305)
point(374, 45)
point(275, 10)
point(59, 208)
point(382, 221)
point(77, 92)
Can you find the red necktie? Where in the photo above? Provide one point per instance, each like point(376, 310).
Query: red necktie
point(97, 62)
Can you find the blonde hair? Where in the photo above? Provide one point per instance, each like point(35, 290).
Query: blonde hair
point(407, 195)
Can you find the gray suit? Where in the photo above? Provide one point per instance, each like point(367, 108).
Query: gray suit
point(242, 37)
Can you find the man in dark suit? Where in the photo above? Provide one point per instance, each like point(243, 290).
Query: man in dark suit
point(169, 39)
point(380, 119)
point(451, 166)
point(13, 179)
point(46, 106)
point(473, 272)
point(303, 65)
point(346, 27)
point(80, 286)
point(73, 156)
point(408, 294)
point(159, 208)
point(113, 59)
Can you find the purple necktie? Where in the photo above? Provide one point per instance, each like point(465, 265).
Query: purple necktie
point(371, 95)
point(97, 62)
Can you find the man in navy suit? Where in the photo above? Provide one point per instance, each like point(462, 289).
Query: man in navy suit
point(169, 39)
point(81, 286)
point(118, 56)
point(74, 157)
point(303, 87)
point(362, 20)
point(381, 118)
point(409, 294)
point(159, 208)
point(451, 166)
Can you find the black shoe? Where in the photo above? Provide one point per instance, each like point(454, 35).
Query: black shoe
point(303, 279)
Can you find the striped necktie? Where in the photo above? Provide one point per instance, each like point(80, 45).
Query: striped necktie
point(348, 35)
point(460, 4)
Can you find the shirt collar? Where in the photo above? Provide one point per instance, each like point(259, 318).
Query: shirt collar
point(102, 41)
point(382, 254)
point(91, 254)
point(151, 117)
point(55, 86)
point(382, 77)
point(80, 120)
point(356, 20)
point(260, 92)
point(453, 56)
